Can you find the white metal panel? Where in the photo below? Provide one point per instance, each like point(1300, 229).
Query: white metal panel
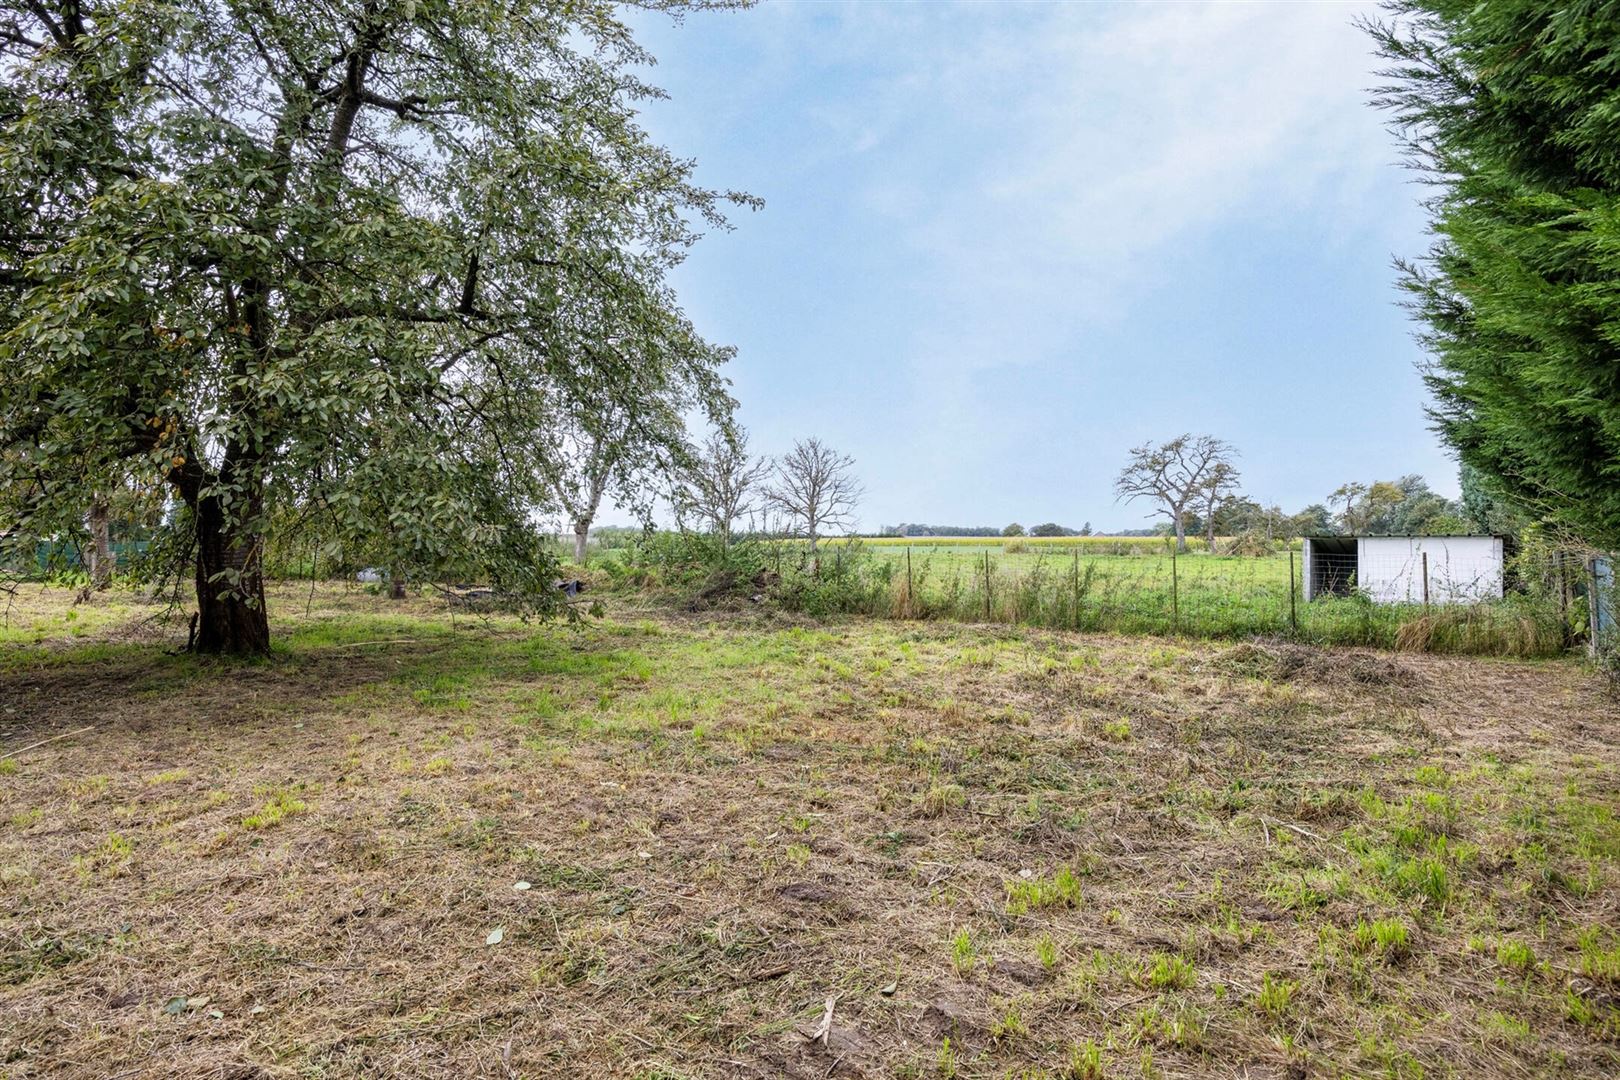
point(1461, 569)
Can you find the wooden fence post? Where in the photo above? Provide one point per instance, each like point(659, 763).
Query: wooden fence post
point(1293, 609)
point(1075, 581)
point(1175, 597)
point(987, 586)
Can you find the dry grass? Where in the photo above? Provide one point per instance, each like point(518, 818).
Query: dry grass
point(999, 852)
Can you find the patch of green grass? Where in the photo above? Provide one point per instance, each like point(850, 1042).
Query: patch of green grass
point(1386, 936)
point(281, 804)
point(1182, 1025)
point(1504, 1027)
point(1600, 955)
point(1276, 994)
point(1169, 971)
point(964, 952)
point(1009, 1023)
point(1516, 956)
point(109, 858)
point(1061, 890)
point(1085, 1062)
point(88, 787)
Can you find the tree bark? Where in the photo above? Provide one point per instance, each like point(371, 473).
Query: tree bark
point(101, 555)
point(1181, 533)
point(582, 533)
point(231, 617)
point(396, 586)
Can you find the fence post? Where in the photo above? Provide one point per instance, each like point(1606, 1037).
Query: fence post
point(1175, 596)
point(1293, 609)
point(1425, 582)
point(911, 599)
point(987, 586)
point(1597, 605)
point(1075, 582)
point(1565, 594)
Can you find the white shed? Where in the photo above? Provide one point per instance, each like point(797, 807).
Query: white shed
point(1404, 569)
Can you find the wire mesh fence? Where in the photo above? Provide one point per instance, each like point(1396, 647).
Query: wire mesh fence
point(1529, 607)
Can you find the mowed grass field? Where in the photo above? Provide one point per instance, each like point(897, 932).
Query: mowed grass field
point(659, 846)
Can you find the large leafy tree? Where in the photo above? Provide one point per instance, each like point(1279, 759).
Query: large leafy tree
point(1510, 107)
point(307, 262)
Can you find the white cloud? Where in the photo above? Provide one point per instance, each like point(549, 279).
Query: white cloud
point(1026, 174)
point(1091, 142)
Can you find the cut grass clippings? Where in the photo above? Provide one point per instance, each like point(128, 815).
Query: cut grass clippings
point(671, 846)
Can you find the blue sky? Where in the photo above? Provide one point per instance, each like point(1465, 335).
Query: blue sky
point(1002, 243)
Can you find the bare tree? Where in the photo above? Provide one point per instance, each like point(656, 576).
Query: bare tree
point(1218, 487)
point(813, 488)
point(721, 483)
point(1174, 475)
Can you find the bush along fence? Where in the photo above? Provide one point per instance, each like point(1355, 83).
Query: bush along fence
point(1542, 609)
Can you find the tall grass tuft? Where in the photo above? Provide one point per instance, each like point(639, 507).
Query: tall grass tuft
point(1513, 627)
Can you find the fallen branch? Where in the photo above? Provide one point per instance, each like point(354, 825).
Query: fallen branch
point(381, 641)
point(42, 742)
point(1300, 829)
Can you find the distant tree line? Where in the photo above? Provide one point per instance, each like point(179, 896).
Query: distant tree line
point(1048, 528)
point(909, 529)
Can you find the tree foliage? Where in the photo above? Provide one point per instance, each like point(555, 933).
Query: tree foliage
point(1404, 507)
point(1509, 107)
point(331, 265)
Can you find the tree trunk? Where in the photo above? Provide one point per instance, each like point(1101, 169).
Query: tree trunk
point(101, 555)
point(396, 585)
point(1181, 533)
point(582, 533)
point(1209, 524)
point(231, 617)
